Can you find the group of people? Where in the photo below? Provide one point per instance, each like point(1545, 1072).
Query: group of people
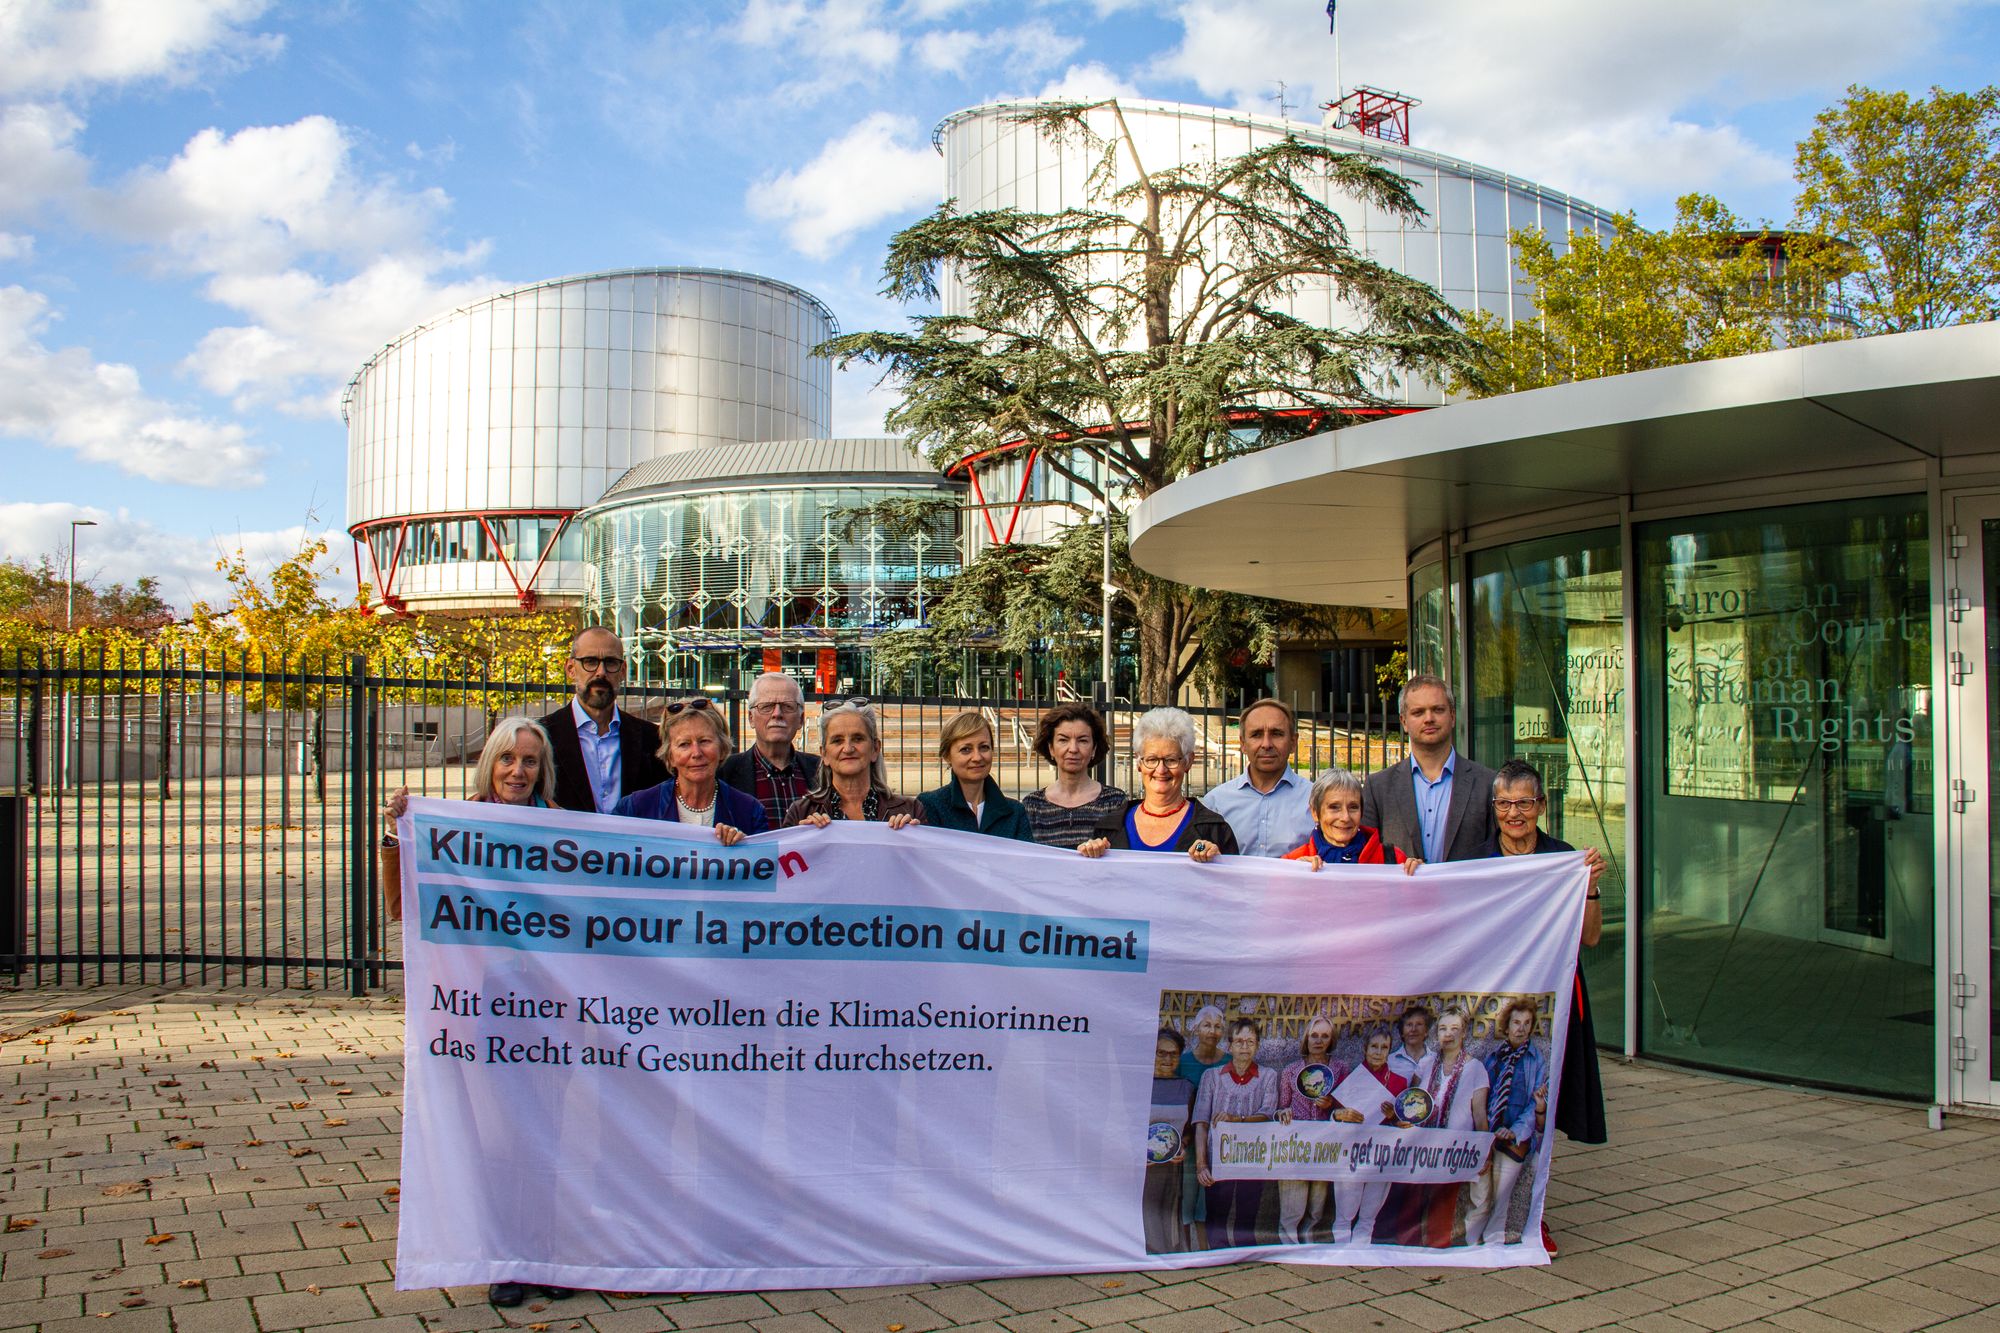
point(591, 755)
point(1204, 1082)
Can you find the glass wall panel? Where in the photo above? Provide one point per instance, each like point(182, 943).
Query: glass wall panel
point(1430, 626)
point(1784, 664)
point(1547, 632)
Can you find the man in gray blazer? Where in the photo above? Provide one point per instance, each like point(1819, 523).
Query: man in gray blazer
point(1436, 805)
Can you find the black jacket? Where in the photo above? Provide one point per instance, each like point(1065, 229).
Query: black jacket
point(1203, 823)
point(740, 771)
point(639, 765)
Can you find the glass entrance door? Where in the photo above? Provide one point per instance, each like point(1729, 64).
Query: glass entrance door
point(1972, 676)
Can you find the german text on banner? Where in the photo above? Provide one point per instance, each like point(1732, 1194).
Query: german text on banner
point(641, 1061)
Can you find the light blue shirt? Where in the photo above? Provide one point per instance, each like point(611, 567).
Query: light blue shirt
point(1266, 823)
point(600, 756)
point(1433, 805)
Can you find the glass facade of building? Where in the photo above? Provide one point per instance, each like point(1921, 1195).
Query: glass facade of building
point(706, 583)
point(1781, 905)
point(1547, 685)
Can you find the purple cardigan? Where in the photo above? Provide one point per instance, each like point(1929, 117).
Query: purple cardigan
point(732, 807)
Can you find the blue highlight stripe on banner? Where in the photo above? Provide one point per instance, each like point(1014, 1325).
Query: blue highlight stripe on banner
point(858, 932)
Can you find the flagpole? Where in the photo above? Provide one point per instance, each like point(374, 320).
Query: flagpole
point(1339, 87)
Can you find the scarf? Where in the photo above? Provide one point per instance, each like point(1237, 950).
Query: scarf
point(1326, 851)
point(1441, 1106)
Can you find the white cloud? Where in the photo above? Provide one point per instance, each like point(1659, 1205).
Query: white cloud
point(860, 402)
point(125, 549)
point(881, 168)
point(838, 41)
point(327, 261)
point(1090, 82)
point(1552, 91)
point(38, 158)
point(52, 49)
point(1014, 51)
point(13, 245)
point(99, 410)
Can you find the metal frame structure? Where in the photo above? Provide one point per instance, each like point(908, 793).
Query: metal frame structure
point(525, 594)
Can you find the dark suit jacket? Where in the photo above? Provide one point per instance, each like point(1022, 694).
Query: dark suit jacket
point(740, 772)
point(1389, 803)
point(639, 765)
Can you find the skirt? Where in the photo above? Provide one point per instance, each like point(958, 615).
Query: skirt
point(1580, 1091)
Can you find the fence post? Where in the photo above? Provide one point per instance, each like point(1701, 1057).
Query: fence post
point(361, 846)
point(1107, 762)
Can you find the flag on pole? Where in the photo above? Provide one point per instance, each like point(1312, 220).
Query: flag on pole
point(1329, 14)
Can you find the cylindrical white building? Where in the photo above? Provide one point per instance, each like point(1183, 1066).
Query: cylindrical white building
point(473, 438)
point(1461, 247)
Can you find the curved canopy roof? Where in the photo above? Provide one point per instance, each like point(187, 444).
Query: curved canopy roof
point(774, 462)
point(1333, 518)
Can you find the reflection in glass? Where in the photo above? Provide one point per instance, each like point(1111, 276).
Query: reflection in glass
point(1548, 686)
point(1785, 661)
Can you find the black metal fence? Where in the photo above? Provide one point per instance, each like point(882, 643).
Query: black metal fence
point(194, 820)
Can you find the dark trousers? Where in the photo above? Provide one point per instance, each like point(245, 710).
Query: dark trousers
point(1232, 1211)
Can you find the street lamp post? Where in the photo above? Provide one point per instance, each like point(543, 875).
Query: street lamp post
point(69, 767)
point(69, 611)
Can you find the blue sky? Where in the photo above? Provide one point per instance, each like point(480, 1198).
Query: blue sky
point(214, 210)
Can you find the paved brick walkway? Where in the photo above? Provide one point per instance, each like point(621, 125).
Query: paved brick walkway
point(222, 1161)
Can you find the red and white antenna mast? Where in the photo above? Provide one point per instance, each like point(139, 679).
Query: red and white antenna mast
point(1376, 113)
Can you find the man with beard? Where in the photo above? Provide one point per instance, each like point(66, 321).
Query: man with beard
point(601, 752)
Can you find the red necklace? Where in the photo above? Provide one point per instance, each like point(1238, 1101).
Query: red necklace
point(1162, 814)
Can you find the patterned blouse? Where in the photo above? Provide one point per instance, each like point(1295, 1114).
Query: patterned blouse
point(1070, 827)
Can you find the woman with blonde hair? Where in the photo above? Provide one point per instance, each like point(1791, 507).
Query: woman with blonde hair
point(1302, 1203)
point(514, 768)
point(972, 801)
point(694, 740)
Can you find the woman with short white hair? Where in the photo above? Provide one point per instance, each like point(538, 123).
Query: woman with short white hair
point(1163, 818)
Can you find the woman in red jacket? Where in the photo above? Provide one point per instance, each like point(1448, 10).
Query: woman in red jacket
point(1340, 838)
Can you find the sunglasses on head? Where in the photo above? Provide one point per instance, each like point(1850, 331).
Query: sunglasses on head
point(695, 705)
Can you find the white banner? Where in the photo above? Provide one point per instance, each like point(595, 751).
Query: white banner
point(637, 1060)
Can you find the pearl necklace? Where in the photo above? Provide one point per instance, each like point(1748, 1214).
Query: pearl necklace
point(699, 809)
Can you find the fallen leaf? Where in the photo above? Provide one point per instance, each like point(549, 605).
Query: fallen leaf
point(168, 1083)
point(192, 1283)
point(188, 1145)
point(334, 1122)
point(22, 1223)
point(895, 1328)
point(284, 1055)
point(336, 1083)
point(160, 1239)
point(85, 1041)
point(1113, 1285)
point(538, 1328)
point(392, 1191)
point(300, 1106)
point(72, 1153)
point(125, 1187)
point(57, 1253)
point(258, 1058)
point(345, 1092)
point(313, 1288)
point(133, 1302)
point(208, 1064)
point(44, 1041)
point(350, 1226)
point(301, 1152)
point(253, 1143)
point(106, 1314)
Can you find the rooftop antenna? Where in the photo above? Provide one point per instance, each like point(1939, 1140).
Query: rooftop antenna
point(1284, 106)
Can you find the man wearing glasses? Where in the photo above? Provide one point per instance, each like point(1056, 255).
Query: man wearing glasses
point(602, 753)
point(772, 770)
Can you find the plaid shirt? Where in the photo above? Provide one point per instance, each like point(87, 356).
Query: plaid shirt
point(777, 788)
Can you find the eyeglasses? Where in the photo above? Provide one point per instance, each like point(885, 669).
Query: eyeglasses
point(1154, 763)
point(610, 665)
point(1516, 807)
point(776, 706)
point(695, 705)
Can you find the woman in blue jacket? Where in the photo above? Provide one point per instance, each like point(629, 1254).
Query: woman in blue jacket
point(694, 740)
point(972, 801)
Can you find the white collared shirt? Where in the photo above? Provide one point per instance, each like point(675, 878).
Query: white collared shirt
point(1266, 823)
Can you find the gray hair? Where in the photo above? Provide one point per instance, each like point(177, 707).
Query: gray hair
point(1516, 771)
point(1202, 1015)
point(1424, 680)
point(879, 773)
point(505, 736)
point(783, 679)
point(1329, 782)
point(1164, 724)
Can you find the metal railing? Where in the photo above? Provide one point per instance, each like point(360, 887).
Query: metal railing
point(194, 820)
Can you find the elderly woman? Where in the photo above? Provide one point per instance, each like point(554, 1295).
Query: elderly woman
point(852, 783)
point(1302, 1203)
point(1366, 1097)
point(515, 768)
point(1173, 1095)
point(1458, 1085)
point(972, 801)
point(1205, 1051)
point(1238, 1092)
point(1515, 1069)
point(1164, 818)
point(694, 740)
point(1071, 738)
point(1339, 837)
point(1519, 802)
